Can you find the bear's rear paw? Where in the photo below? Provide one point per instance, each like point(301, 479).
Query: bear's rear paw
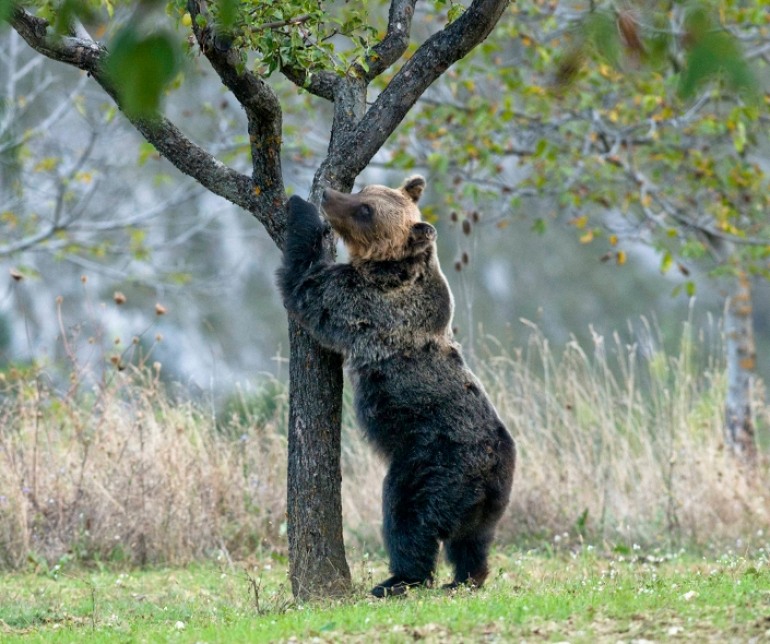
point(397, 586)
point(460, 584)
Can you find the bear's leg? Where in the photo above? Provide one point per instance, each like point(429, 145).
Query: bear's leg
point(468, 555)
point(411, 537)
point(413, 552)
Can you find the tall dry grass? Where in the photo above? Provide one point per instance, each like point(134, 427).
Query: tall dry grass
point(122, 473)
point(621, 443)
point(618, 444)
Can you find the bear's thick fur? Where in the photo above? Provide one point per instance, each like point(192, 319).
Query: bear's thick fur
point(389, 313)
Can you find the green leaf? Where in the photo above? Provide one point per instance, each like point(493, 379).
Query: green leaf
point(141, 67)
point(455, 11)
point(66, 12)
point(601, 33)
point(716, 54)
point(438, 162)
point(739, 137)
point(5, 9)
point(227, 12)
point(146, 150)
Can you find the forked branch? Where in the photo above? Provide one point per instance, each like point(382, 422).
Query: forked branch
point(429, 62)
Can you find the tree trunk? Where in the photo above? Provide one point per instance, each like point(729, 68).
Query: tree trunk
point(741, 364)
point(314, 502)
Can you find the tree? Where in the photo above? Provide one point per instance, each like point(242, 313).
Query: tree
point(295, 39)
point(630, 124)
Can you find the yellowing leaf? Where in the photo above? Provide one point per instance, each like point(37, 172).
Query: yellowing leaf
point(587, 237)
point(614, 241)
point(9, 218)
point(739, 137)
point(666, 262)
point(47, 164)
point(580, 222)
point(621, 257)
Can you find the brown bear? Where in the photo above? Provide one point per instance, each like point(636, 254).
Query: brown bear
point(389, 312)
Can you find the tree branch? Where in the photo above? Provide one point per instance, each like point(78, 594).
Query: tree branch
point(319, 84)
point(648, 189)
point(263, 112)
point(396, 40)
point(382, 55)
point(429, 62)
point(277, 24)
point(85, 54)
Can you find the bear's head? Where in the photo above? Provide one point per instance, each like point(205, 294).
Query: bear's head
point(380, 223)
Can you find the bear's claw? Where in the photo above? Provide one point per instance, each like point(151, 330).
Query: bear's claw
point(396, 586)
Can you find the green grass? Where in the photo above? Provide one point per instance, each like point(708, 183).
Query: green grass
point(584, 598)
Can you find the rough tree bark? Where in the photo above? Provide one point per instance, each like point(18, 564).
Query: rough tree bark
point(316, 549)
point(741, 366)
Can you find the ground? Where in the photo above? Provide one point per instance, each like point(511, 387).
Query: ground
point(564, 597)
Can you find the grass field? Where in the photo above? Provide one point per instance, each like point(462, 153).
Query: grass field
point(115, 492)
point(585, 597)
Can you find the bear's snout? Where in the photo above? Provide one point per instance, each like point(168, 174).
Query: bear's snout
point(338, 205)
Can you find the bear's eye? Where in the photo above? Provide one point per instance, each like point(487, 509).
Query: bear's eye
point(364, 212)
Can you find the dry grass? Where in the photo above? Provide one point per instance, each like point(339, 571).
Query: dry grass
point(624, 445)
point(122, 473)
point(618, 446)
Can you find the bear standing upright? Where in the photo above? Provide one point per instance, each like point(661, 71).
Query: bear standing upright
point(389, 313)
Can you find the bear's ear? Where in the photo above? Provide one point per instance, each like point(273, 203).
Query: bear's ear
point(421, 237)
point(414, 186)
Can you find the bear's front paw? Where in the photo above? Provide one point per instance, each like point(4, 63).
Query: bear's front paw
point(304, 233)
point(302, 213)
point(421, 238)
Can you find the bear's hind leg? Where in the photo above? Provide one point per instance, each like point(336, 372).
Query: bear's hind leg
point(411, 536)
point(413, 554)
point(468, 555)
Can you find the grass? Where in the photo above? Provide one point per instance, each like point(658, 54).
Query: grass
point(583, 597)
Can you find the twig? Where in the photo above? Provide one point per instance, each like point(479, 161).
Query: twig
point(255, 585)
point(282, 23)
